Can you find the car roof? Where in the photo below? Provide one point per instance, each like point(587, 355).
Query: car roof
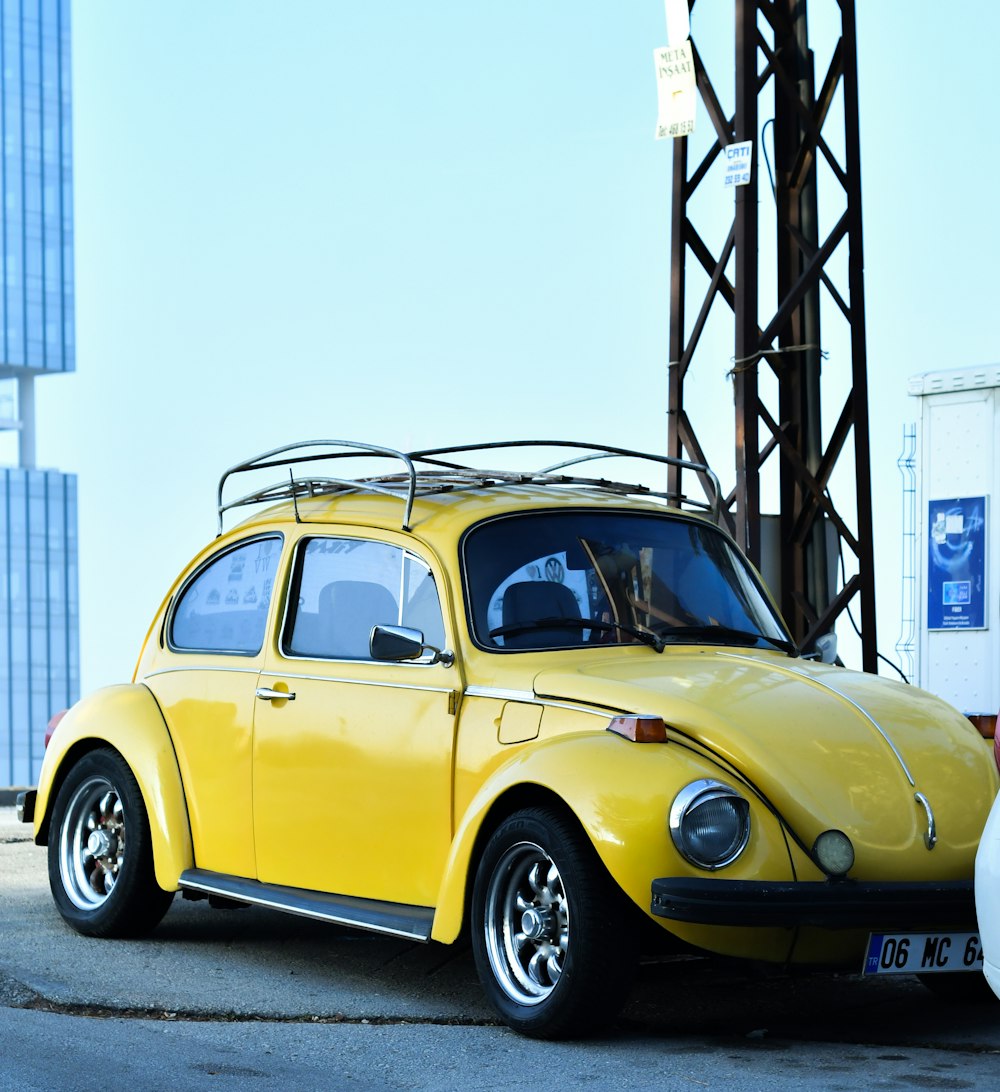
point(446, 512)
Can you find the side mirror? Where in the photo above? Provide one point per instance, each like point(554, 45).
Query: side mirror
point(396, 644)
point(824, 649)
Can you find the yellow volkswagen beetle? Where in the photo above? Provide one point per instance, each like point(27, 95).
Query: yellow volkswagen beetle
point(548, 706)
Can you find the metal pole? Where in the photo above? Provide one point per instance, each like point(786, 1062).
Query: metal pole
point(804, 554)
point(675, 379)
point(747, 343)
point(859, 353)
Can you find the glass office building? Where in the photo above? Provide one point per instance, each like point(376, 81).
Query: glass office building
point(39, 644)
point(39, 647)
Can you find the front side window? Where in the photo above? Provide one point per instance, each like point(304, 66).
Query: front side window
point(224, 608)
point(343, 587)
point(561, 579)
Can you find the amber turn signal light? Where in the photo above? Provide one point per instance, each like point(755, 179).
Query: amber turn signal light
point(640, 728)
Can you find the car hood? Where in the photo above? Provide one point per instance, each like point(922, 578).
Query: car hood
point(827, 747)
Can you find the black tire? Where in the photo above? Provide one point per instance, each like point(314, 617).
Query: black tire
point(959, 988)
point(551, 936)
point(100, 851)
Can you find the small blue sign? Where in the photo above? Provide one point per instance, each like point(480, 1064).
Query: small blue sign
point(956, 563)
point(739, 161)
point(957, 591)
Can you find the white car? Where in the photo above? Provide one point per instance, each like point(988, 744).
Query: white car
point(988, 891)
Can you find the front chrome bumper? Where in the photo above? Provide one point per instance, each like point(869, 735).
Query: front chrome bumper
point(829, 904)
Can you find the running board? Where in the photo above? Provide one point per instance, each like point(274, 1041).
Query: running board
point(393, 918)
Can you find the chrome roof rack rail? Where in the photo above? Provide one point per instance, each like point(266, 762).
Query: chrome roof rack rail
point(313, 487)
point(596, 451)
point(436, 474)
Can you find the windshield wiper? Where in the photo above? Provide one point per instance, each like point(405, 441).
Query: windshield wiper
point(724, 635)
point(645, 635)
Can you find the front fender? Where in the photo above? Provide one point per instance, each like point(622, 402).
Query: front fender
point(621, 793)
point(127, 718)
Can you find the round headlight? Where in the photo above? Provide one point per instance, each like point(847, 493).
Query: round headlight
point(834, 853)
point(710, 824)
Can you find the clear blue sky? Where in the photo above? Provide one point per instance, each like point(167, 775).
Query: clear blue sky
point(423, 224)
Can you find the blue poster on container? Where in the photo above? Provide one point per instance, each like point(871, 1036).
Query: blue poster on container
point(956, 563)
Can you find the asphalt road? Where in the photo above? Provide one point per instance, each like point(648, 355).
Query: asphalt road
point(243, 999)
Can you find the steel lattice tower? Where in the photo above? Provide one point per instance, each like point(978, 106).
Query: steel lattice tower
point(773, 58)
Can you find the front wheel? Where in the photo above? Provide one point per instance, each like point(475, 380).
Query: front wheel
point(552, 945)
point(100, 851)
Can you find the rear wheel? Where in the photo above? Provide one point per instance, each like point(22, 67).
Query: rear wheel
point(550, 936)
point(100, 851)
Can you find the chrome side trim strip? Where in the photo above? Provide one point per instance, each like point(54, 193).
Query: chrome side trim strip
point(930, 838)
point(355, 682)
point(174, 670)
point(502, 694)
point(393, 919)
point(843, 697)
point(577, 707)
point(528, 696)
point(499, 692)
point(293, 675)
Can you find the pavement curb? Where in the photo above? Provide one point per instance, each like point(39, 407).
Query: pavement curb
point(8, 797)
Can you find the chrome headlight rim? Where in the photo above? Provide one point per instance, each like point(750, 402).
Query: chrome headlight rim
point(695, 794)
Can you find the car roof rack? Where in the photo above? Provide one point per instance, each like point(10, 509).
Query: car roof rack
point(431, 471)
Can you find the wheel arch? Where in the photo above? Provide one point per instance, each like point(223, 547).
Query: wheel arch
point(127, 720)
point(617, 792)
point(516, 798)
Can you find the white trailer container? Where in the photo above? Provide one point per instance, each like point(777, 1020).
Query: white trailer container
point(957, 543)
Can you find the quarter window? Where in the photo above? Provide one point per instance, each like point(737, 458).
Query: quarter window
point(224, 608)
point(344, 587)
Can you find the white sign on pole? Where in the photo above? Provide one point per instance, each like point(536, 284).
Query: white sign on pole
point(675, 90)
point(678, 22)
point(739, 159)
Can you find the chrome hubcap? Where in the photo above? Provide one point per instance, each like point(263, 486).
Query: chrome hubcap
point(538, 923)
point(527, 924)
point(100, 843)
point(92, 843)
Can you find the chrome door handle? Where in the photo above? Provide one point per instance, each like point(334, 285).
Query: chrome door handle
point(265, 693)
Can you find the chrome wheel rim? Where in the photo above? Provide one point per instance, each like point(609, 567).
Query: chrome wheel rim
point(526, 924)
point(92, 843)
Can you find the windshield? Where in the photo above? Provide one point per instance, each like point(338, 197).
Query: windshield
point(536, 580)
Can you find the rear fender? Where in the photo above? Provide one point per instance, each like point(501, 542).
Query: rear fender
point(620, 792)
point(128, 719)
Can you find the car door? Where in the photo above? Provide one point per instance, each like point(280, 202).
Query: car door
point(205, 681)
point(352, 775)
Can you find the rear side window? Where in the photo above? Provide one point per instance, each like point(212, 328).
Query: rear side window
point(224, 607)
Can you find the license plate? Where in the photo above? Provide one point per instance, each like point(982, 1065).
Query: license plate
point(923, 953)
